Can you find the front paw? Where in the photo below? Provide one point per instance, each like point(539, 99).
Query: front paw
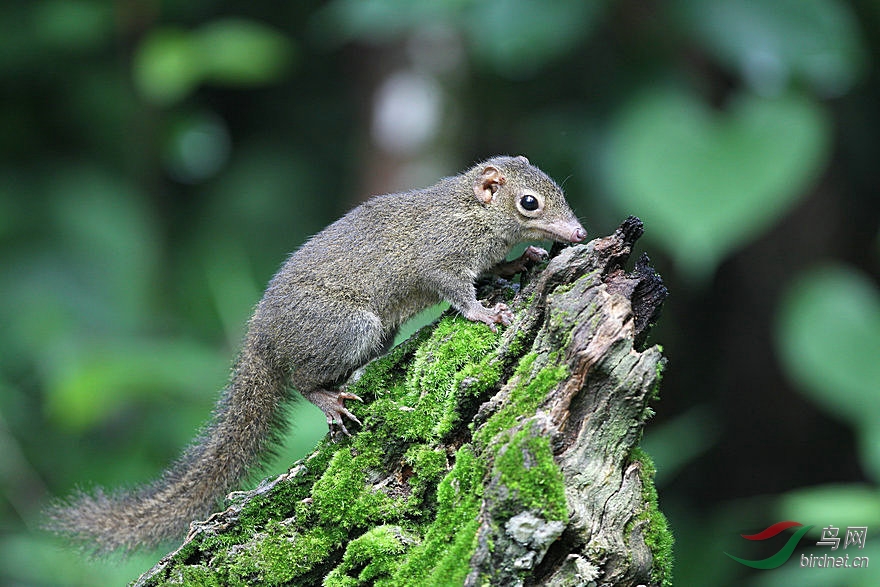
point(534, 254)
point(499, 314)
point(521, 264)
point(529, 257)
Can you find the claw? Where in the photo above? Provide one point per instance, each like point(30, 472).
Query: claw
point(340, 427)
point(344, 411)
point(332, 403)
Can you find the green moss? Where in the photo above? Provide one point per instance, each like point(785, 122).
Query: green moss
point(386, 373)
point(525, 397)
point(532, 477)
point(280, 555)
point(274, 557)
point(658, 536)
point(475, 379)
point(457, 349)
point(428, 467)
point(343, 498)
point(201, 577)
point(659, 369)
point(454, 343)
point(442, 557)
point(521, 339)
point(564, 288)
point(370, 559)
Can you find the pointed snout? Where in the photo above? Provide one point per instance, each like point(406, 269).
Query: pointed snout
point(568, 231)
point(578, 235)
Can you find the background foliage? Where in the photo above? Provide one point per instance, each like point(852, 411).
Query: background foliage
point(159, 159)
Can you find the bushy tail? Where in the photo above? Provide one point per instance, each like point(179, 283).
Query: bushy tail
point(244, 426)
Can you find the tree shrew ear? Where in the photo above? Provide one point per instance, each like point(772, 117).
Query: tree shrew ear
point(488, 184)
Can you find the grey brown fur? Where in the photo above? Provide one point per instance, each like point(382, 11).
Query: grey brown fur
point(336, 304)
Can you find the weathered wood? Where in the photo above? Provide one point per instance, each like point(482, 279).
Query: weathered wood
point(485, 459)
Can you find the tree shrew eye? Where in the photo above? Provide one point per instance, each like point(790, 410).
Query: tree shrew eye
point(529, 202)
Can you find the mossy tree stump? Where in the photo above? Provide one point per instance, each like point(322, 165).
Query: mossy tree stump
point(506, 458)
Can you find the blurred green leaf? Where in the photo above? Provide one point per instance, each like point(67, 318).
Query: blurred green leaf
point(31, 560)
point(97, 380)
point(73, 24)
point(706, 182)
point(166, 65)
point(516, 37)
point(171, 62)
point(772, 42)
point(828, 337)
point(841, 505)
point(242, 52)
point(513, 37)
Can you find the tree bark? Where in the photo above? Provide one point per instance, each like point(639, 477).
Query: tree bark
point(485, 458)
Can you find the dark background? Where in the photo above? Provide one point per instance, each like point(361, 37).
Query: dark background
point(159, 159)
